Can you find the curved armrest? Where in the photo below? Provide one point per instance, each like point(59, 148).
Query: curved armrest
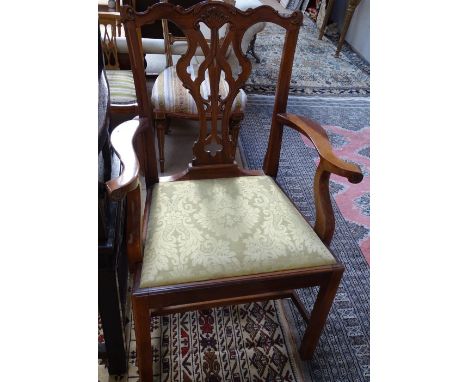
point(329, 163)
point(122, 140)
point(319, 138)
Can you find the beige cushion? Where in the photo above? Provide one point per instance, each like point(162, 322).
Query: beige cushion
point(210, 229)
point(169, 94)
point(121, 87)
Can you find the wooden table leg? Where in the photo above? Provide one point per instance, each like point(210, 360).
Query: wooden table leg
point(351, 7)
point(327, 16)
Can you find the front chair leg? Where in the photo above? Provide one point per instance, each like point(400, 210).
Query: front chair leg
point(161, 126)
point(141, 318)
point(319, 315)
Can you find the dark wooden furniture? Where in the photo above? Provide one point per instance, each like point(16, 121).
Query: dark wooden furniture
point(112, 284)
point(213, 158)
point(112, 261)
point(350, 8)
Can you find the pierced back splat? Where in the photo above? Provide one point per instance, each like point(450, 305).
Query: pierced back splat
point(227, 26)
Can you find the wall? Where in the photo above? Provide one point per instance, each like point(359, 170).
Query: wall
point(358, 35)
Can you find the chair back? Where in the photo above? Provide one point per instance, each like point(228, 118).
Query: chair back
point(108, 27)
point(214, 146)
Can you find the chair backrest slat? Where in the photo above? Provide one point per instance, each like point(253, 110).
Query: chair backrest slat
point(108, 28)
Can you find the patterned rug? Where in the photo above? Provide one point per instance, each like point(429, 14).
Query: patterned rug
point(343, 350)
point(316, 70)
point(248, 342)
point(294, 4)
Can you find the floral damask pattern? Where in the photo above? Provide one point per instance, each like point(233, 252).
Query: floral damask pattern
point(205, 229)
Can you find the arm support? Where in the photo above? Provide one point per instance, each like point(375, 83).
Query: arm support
point(312, 130)
point(128, 185)
point(122, 140)
point(329, 163)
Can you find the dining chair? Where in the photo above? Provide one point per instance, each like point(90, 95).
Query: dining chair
point(121, 85)
point(217, 234)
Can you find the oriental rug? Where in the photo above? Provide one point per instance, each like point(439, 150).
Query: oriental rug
point(248, 342)
point(316, 70)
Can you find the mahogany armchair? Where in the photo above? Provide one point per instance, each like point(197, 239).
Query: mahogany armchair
point(217, 234)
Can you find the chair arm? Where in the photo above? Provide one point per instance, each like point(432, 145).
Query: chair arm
point(122, 140)
point(319, 138)
point(329, 163)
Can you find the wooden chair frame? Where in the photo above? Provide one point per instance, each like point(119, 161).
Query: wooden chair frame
point(111, 55)
point(213, 158)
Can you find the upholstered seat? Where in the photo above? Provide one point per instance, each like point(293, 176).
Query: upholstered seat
point(209, 229)
point(121, 87)
point(169, 95)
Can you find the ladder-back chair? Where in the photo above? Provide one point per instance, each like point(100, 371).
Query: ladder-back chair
point(122, 88)
point(218, 234)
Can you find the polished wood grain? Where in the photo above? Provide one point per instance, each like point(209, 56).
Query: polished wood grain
point(319, 138)
point(271, 161)
point(213, 157)
point(319, 313)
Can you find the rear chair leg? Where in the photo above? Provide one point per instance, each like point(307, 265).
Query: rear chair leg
point(168, 125)
point(319, 314)
point(234, 126)
point(251, 49)
point(141, 317)
point(161, 126)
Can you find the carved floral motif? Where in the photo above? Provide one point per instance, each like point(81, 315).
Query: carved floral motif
point(214, 17)
point(128, 14)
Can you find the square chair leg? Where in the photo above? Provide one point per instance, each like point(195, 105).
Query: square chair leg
point(141, 318)
point(319, 314)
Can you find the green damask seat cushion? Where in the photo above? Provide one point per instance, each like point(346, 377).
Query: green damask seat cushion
point(210, 229)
